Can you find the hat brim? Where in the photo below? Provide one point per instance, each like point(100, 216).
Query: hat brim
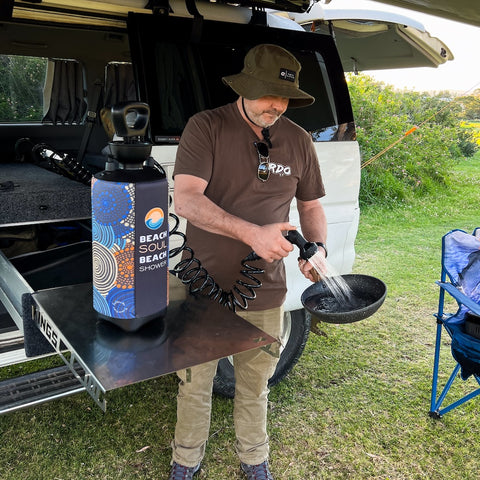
point(252, 89)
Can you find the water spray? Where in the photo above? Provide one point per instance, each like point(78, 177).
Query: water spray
point(337, 298)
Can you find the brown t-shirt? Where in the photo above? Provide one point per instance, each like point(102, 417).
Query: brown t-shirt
point(218, 146)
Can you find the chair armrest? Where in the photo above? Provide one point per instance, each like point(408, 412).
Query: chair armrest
point(460, 297)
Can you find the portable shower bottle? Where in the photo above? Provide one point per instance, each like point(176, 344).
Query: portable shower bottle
point(130, 227)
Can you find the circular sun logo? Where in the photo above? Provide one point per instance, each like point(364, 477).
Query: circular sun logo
point(154, 218)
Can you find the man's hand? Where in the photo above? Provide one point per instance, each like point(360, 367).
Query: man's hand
point(309, 271)
point(269, 242)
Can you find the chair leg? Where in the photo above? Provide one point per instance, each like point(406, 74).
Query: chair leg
point(436, 362)
point(464, 399)
point(435, 403)
point(435, 411)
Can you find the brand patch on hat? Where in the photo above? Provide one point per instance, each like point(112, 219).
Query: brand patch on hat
point(286, 74)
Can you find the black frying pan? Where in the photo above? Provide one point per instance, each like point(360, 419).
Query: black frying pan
point(368, 294)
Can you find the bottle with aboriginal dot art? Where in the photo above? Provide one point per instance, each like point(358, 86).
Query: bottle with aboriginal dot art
point(130, 227)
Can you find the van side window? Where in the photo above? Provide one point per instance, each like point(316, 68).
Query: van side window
point(37, 89)
point(22, 80)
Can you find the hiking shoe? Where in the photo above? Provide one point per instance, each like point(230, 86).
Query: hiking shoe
point(179, 472)
point(257, 472)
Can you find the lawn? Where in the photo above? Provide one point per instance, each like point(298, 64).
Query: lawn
point(355, 406)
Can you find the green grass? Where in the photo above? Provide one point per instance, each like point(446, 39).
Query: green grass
point(355, 406)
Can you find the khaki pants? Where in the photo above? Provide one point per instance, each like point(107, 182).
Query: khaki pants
point(253, 369)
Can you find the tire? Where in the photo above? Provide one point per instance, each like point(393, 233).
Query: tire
point(295, 335)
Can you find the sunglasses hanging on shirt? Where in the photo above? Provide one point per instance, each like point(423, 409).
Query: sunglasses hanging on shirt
point(263, 172)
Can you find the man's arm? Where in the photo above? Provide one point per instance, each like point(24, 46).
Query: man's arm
point(314, 228)
point(267, 241)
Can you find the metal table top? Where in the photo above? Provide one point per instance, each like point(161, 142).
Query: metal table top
point(194, 330)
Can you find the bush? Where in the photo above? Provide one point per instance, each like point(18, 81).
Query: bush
point(470, 138)
point(420, 163)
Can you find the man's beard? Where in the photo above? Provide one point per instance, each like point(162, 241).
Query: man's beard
point(262, 123)
point(257, 119)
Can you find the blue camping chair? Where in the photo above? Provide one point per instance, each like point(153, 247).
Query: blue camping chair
point(460, 278)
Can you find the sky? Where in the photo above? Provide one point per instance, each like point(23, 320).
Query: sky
point(461, 74)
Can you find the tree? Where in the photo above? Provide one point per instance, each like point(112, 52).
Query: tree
point(471, 105)
point(420, 162)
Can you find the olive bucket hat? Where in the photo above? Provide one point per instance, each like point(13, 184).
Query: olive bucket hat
point(270, 70)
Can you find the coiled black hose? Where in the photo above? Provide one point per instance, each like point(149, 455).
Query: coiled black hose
point(191, 272)
point(63, 164)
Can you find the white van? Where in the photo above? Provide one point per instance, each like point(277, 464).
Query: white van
point(77, 60)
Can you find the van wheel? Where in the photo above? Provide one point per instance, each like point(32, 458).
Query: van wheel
point(296, 327)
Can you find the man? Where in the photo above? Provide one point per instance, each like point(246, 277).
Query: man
point(238, 168)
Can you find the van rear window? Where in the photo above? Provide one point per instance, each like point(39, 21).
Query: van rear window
point(179, 65)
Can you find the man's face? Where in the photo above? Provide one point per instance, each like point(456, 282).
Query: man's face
point(265, 111)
